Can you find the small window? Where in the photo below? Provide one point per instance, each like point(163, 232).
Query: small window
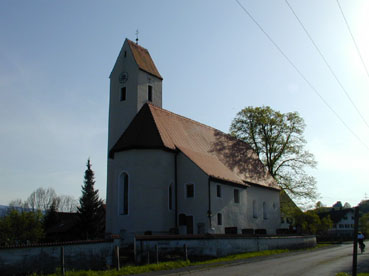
point(189, 190)
point(149, 93)
point(123, 94)
point(236, 195)
point(265, 213)
point(219, 191)
point(125, 53)
point(170, 196)
point(219, 217)
point(254, 213)
point(123, 194)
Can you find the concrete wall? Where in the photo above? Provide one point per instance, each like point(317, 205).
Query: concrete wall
point(47, 258)
point(221, 245)
point(150, 172)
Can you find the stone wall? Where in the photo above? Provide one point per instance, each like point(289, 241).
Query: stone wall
point(218, 245)
point(47, 258)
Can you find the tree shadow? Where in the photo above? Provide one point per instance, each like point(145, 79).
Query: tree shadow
point(239, 157)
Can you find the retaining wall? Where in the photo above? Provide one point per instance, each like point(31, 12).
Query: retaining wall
point(46, 258)
point(218, 245)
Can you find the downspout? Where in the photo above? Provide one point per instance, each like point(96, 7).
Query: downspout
point(176, 192)
point(209, 207)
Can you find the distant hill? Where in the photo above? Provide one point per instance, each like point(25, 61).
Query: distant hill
point(3, 210)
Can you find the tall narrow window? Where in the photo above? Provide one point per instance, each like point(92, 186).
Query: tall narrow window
point(125, 53)
point(254, 212)
point(123, 94)
point(265, 213)
point(219, 191)
point(123, 194)
point(236, 196)
point(149, 93)
point(170, 201)
point(189, 190)
point(219, 217)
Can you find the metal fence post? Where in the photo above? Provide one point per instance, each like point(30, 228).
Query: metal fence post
point(62, 264)
point(354, 254)
point(157, 253)
point(134, 250)
point(117, 257)
point(185, 252)
point(148, 255)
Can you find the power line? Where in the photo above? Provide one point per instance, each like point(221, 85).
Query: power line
point(353, 39)
point(327, 64)
point(301, 74)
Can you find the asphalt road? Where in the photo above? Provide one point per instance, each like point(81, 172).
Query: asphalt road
point(327, 261)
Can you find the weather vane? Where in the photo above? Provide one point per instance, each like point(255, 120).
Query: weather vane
point(137, 36)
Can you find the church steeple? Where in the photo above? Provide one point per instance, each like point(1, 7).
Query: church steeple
point(134, 81)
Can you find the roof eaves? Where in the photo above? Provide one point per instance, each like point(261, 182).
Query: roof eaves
point(228, 182)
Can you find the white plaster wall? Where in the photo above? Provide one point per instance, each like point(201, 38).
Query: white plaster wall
point(271, 198)
point(121, 113)
point(233, 214)
point(189, 173)
point(144, 80)
point(150, 173)
point(348, 220)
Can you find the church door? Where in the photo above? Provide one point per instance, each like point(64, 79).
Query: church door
point(189, 224)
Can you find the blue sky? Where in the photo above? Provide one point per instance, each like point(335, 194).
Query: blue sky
point(56, 57)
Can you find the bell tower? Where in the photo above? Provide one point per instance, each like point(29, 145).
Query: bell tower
point(134, 81)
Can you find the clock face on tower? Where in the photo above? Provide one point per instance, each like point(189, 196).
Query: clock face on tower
point(123, 77)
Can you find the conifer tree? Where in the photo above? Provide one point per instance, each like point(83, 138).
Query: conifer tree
point(91, 211)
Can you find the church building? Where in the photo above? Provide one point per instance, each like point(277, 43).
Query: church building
point(169, 174)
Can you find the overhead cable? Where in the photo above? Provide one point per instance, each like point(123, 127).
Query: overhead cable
point(327, 64)
point(301, 74)
point(353, 39)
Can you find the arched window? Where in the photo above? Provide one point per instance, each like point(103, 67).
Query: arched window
point(265, 213)
point(123, 194)
point(254, 212)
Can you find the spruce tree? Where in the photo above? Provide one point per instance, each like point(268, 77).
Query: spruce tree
point(91, 211)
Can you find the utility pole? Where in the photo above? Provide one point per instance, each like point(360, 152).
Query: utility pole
point(354, 255)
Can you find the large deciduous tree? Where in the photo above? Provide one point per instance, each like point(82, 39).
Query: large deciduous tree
point(278, 140)
point(91, 211)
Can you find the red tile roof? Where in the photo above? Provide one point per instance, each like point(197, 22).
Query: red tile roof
point(143, 59)
point(219, 155)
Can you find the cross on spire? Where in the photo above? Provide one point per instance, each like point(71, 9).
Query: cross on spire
point(137, 36)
